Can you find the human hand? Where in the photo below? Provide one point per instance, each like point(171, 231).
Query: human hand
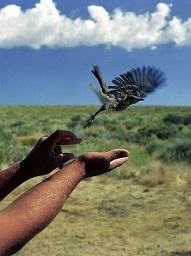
point(96, 163)
point(47, 154)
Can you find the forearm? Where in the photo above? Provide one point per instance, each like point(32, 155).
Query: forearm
point(36, 208)
point(11, 178)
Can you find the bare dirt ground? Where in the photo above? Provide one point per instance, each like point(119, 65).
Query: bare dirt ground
point(107, 216)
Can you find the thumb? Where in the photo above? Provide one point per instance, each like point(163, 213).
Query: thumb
point(117, 157)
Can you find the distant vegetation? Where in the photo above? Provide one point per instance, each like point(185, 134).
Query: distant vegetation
point(152, 134)
point(164, 133)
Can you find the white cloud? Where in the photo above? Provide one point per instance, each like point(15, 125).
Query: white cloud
point(45, 25)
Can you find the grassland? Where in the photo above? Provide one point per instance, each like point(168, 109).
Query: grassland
point(142, 208)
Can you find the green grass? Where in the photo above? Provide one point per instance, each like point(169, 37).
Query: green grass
point(149, 133)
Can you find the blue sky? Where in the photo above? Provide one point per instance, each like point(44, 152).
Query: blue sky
point(47, 48)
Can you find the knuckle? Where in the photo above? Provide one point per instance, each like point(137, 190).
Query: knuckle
point(43, 138)
point(59, 132)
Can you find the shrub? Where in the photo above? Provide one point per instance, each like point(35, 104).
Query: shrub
point(17, 153)
point(181, 151)
point(95, 131)
point(6, 140)
point(157, 147)
point(187, 120)
point(174, 119)
point(17, 124)
point(74, 121)
point(28, 140)
point(163, 132)
point(178, 151)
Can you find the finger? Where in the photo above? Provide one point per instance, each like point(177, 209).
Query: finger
point(117, 162)
point(116, 154)
point(62, 137)
point(63, 158)
point(43, 138)
point(57, 150)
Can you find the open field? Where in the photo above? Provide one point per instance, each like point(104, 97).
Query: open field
point(143, 208)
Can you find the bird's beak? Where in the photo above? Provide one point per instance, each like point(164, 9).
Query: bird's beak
point(137, 98)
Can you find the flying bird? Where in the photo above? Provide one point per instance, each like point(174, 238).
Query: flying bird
point(127, 89)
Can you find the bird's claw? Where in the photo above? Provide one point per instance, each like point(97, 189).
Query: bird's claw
point(89, 121)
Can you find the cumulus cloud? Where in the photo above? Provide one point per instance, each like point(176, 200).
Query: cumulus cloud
point(45, 25)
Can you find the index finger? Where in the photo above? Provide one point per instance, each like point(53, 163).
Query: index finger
point(116, 154)
point(62, 137)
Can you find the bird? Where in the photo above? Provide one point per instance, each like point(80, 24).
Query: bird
point(127, 89)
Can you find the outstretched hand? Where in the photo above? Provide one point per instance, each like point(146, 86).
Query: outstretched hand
point(96, 163)
point(47, 154)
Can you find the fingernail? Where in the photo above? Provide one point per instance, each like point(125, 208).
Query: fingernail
point(123, 154)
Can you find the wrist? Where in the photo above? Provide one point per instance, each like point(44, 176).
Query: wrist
point(80, 167)
point(75, 168)
point(11, 178)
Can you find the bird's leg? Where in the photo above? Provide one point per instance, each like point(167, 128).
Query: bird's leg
point(92, 117)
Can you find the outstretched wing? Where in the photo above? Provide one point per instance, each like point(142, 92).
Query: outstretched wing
point(139, 81)
point(148, 79)
point(97, 73)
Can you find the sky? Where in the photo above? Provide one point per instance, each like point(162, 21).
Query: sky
point(48, 47)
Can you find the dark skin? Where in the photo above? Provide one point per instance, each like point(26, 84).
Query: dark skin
point(44, 158)
point(36, 208)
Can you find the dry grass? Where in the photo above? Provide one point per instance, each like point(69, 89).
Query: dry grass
point(170, 175)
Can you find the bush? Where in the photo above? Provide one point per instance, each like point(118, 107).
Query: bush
point(163, 132)
point(6, 140)
point(17, 154)
point(178, 151)
point(187, 120)
point(177, 119)
point(174, 119)
point(28, 140)
point(95, 132)
point(74, 121)
point(157, 147)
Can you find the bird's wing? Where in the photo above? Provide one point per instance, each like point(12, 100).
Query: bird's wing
point(125, 85)
point(148, 79)
point(139, 81)
point(123, 80)
point(97, 73)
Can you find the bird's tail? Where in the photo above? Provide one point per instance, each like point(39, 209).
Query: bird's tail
point(97, 73)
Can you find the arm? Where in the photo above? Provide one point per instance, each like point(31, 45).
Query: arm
point(44, 157)
point(35, 209)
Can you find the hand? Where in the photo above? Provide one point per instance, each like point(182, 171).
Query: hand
point(47, 154)
point(97, 163)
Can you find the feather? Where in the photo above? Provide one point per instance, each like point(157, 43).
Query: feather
point(97, 73)
point(148, 79)
point(98, 93)
point(103, 98)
